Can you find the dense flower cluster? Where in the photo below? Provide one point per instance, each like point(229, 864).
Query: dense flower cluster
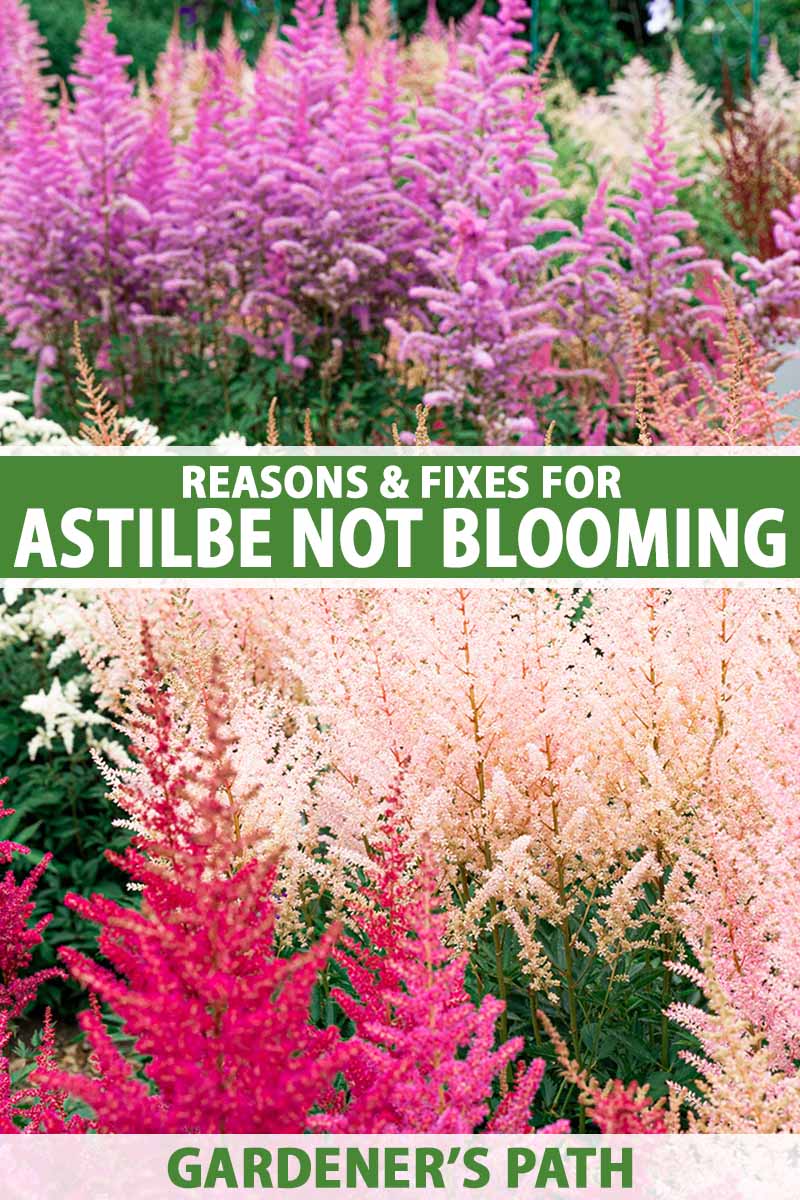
point(221, 1015)
point(340, 189)
point(509, 802)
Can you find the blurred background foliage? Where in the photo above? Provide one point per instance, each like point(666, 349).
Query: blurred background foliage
point(596, 37)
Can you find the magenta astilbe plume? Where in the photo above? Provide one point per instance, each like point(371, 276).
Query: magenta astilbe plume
point(663, 268)
point(311, 50)
point(351, 238)
point(591, 281)
point(23, 60)
point(40, 1109)
point(207, 235)
point(68, 209)
point(194, 975)
point(774, 310)
point(154, 249)
point(485, 165)
point(18, 938)
point(105, 130)
point(433, 26)
point(39, 232)
point(423, 1057)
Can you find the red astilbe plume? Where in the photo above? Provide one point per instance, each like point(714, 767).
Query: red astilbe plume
point(423, 1057)
point(195, 978)
point(18, 938)
point(37, 1109)
point(757, 159)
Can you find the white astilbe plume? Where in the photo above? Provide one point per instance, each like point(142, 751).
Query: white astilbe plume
point(613, 128)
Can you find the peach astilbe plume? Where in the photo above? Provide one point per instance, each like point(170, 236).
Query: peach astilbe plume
point(739, 1090)
point(728, 405)
point(613, 128)
point(101, 424)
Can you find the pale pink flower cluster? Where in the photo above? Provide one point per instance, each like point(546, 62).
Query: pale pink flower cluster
point(599, 777)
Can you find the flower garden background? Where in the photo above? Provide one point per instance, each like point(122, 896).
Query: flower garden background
point(429, 861)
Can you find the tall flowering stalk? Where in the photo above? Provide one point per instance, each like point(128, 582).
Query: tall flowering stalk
point(487, 326)
point(663, 268)
point(422, 1058)
point(194, 976)
point(30, 1104)
point(774, 308)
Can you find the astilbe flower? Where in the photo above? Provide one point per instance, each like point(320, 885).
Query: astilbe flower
point(774, 308)
point(635, 273)
point(194, 976)
point(474, 688)
point(592, 281)
point(349, 238)
point(205, 261)
point(756, 147)
point(23, 62)
point(17, 937)
point(66, 205)
point(738, 916)
point(776, 93)
point(105, 132)
point(484, 163)
point(29, 1105)
point(422, 1058)
point(739, 1089)
point(339, 187)
point(38, 235)
point(612, 129)
point(723, 404)
point(644, 755)
point(662, 268)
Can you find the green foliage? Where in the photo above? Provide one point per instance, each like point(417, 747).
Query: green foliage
point(60, 806)
point(595, 38)
point(620, 1031)
point(194, 402)
point(141, 27)
point(717, 36)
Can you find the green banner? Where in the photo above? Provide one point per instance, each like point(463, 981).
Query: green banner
point(428, 515)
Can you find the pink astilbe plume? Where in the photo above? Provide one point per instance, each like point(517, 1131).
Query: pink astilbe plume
point(738, 1090)
point(423, 1056)
point(484, 156)
point(667, 277)
point(205, 262)
point(39, 235)
point(104, 131)
point(774, 308)
point(194, 976)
